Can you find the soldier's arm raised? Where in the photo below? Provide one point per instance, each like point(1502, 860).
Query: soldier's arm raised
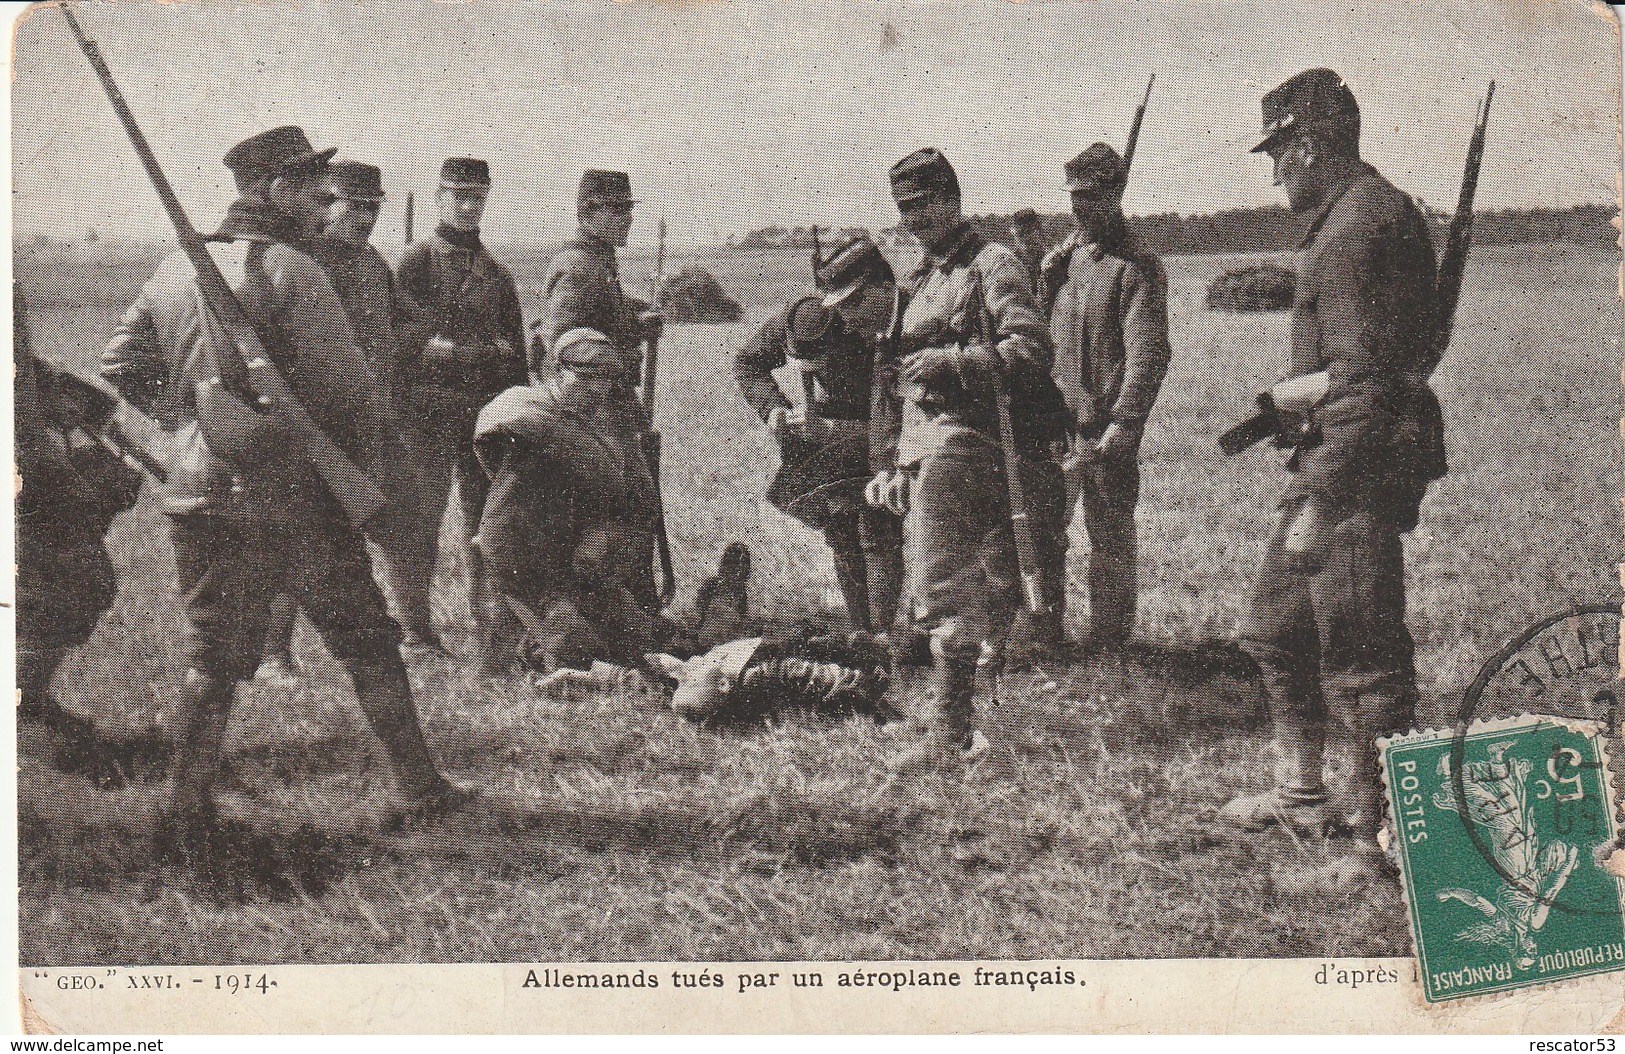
point(1145, 342)
point(1018, 325)
point(133, 360)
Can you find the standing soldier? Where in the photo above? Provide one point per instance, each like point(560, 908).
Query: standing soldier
point(476, 349)
point(571, 496)
point(387, 328)
point(1109, 325)
point(1326, 620)
point(835, 341)
point(249, 527)
point(582, 289)
point(968, 317)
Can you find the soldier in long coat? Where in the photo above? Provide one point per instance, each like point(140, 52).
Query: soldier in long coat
point(1326, 618)
point(838, 342)
point(389, 330)
point(247, 522)
point(1109, 325)
point(969, 313)
point(476, 349)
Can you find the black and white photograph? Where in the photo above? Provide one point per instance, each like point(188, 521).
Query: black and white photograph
point(597, 484)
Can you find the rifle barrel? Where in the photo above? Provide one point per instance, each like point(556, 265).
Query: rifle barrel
point(1134, 128)
point(247, 369)
point(1453, 263)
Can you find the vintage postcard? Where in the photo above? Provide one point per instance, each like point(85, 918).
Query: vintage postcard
point(816, 517)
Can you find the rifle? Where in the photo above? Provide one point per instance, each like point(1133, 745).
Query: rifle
point(1134, 128)
point(409, 211)
point(247, 377)
point(1447, 290)
point(1052, 272)
point(101, 425)
point(651, 438)
point(1283, 411)
point(1032, 587)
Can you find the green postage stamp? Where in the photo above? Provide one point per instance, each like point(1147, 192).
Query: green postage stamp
point(1501, 831)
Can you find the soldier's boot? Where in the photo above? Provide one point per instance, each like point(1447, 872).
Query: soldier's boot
point(277, 667)
point(951, 738)
point(1113, 591)
point(385, 695)
point(1298, 800)
point(883, 568)
point(1369, 715)
point(203, 719)
point(853, 578)
point(493, 633)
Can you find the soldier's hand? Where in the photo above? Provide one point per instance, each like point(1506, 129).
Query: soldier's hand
point(875, 492)
point(890, 490)
point(1119, 442)
point(654, 324)
point(440, 351)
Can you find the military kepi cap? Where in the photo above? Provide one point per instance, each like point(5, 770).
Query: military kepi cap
point(356, 181)
point(1098, 170)
point(845, 270)
point(280, 150)
point(604, 187)
point(922, 173)
point(1315, 98)
point(465, 173)
point(587, 349)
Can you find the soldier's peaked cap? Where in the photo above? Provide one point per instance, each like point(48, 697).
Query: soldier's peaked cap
point(1098, 170)
point(356, 180)
point(603, 186)
point(465, 173)
point(1313, 99)
point(284, 149)
point(846, 269)
point(921, 173)
point(587, 349)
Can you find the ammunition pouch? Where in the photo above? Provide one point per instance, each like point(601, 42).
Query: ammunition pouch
point(236, 432)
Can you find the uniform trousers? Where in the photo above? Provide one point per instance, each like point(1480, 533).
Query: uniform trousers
point(230, 570)
point(1336, 637)
point(1107, 496)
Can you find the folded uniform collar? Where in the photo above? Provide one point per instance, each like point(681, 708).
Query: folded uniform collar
point(252, 218)
point(469, 240)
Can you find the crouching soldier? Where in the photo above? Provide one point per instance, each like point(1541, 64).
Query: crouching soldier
point(571, 503)
point(824, 457)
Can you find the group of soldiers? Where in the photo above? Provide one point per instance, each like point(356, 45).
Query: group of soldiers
point(951, 423)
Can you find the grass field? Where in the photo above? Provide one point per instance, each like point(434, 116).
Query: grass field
point(610, 830)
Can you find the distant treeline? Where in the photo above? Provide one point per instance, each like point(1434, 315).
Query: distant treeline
point(1267, 229)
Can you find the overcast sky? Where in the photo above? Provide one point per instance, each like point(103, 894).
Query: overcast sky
point(734, 114)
